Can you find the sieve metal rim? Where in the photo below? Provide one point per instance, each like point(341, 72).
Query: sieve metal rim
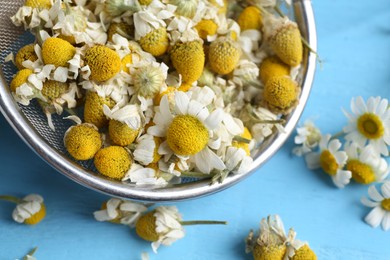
point(15, 117)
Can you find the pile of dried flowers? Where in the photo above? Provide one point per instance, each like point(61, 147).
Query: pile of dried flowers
point(169, 88)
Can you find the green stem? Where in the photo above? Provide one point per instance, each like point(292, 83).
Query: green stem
point(203, 222)
point(11, 199)
point(337, 135)
point(31, 253)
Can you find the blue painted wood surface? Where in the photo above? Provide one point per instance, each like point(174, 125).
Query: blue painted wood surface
point(354, 42)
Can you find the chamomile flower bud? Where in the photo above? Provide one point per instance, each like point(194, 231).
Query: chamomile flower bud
point(121, 134)
point(155, 42)
point(30, 210)
point(281, 94)
point(206, 27)
point(43, 4)
point(93, 109)
point(148, 80)
point(273, 67)
point(103, 62)
point(188, 59)
point(25, 53)
point(185, 8)
point(250, 18)
point(113, 162)
point(82, 141)
point(285, 40)
point(20, 78)
point(123, 29)
point(224, 54)
point(57, 51)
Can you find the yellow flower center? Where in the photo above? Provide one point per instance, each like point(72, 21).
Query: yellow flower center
point(53, 89)
point(103, 62)
point(273, 67)
point(25, 53)
point(371, 126)
point(37, 217)
point(361, 172)
point(281, 94)
point(386, 204)
point(113, 162)
point(57, 51)
point(128, 59)
point(250, 18)
point(156, 42)
point(328, 162)
point(187, 135)
point(146, 227)
point(206, 28)
point(121, 134)
point(262, 252)
point(304, 253)
point(20, 78)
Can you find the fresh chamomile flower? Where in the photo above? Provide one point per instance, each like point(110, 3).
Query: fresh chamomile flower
point(365, 164)
point(30, 210)
point(145, 176)
point(380, 202)
point(119, 211)
point(113, 161)
point(331, 160)
point(82, 141)
point(307, 138)
point(188, 131)
point(164, 225)
point(369, 123)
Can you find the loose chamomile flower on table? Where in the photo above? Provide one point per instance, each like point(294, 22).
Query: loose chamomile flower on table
point(119, 211)
point(365, 164)
point(307, 138)
point(164, 225)
point(369, 123)
point(331, 160)
point(30, 210)
point(380, 202)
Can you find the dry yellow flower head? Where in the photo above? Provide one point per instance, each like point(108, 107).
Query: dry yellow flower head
point(44, 4)
point(123, 29)
point(224, 54)
point(93, 109)
point(188, 59)
point(82, 141)
point(57, 51)
point(361, 172)
point(247, 135)
point(287, 44)
point(304, 253)
point(113, 162)
point(54, 89)
point(269, 252)
point(185, 8)
point(206, 28)
point(25, 53)
point(146, 227)
point(121, 134)
point(281, 94)
point(103, 62)
point(20, 78)
point(187, 135)
point(37, 217)
point(250, 18)
point(273, 67)
point(156, 42)
point(128, 59)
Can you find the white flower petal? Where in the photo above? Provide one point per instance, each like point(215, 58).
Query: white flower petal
point(375, 217)
point(374, 194)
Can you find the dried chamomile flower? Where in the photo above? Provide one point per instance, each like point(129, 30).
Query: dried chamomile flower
point(369, 123)
point(380, 202)
point(307, 138)
point(331, 160)
point(113, 162)
point(365, 164)
point(271, 67)
point(164, 225)
point(121, 134)
point(155, 42)
point(250, 18)
point(188, 59)
point(149, 79)
point(25, 53)
point(103, 62)
point(224, 55)
point(93, 109)
point(57, 51)
point(281, 94)
point(285, 39)
point(82, 141)
point(119, 211)
point(30, 210)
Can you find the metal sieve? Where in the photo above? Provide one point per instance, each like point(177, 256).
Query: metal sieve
point(30, 123)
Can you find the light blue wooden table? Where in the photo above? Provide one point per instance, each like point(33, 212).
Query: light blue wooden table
point(354, 42)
